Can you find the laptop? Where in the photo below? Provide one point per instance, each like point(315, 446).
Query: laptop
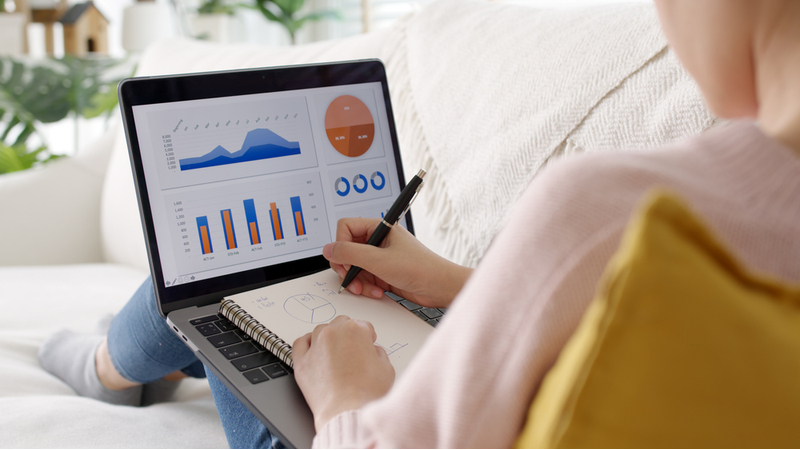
point(241, 177)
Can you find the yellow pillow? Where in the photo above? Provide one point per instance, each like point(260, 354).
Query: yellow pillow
point(682, 347)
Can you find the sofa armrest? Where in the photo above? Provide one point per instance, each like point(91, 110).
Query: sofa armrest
point(51, 214)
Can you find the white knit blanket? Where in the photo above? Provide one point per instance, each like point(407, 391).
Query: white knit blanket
point(561, 81)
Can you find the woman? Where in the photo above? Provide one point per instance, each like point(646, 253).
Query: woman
point(472, 383)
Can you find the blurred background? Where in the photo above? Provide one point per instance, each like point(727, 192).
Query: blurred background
point(60, 60)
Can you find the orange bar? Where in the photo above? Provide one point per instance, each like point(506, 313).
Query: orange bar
point(204, 238)
point(276, 223)
point(229, 229)
point(298, 218)
point(254, 233)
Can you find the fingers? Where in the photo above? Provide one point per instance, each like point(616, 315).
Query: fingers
point(364, 284)
point(301, 345)
point(356, 229)
point(360, 326)
point(353, 254)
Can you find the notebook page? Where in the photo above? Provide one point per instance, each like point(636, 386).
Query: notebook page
point(294, 308)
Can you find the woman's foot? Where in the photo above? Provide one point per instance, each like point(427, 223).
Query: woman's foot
point(72, 357)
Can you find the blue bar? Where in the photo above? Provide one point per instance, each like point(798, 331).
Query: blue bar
point(296, 207)
point(202, 221)
point(280, 224)
point(250, 215)
point(230, 231)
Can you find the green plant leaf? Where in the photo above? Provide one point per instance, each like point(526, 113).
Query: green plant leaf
point(261, 6)
point(17, 158)
point(11, 124)
point(24, 134)
point(289, 7)
point(32, 93)
point(104, 101)
point(217, 7)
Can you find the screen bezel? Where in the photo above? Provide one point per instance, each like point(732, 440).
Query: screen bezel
point(174, 88)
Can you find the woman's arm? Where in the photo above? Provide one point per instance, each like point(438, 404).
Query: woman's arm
point(402, 265)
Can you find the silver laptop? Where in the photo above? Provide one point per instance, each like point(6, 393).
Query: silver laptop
point(241, 177)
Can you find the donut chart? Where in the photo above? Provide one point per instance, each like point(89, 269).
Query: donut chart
point(349, 126)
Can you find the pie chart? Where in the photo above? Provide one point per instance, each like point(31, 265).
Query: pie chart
point(349, 126)
point(309, 308)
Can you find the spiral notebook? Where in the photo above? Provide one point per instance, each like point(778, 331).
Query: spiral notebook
point(274, 316)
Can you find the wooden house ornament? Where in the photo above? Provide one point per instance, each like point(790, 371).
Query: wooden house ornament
point(85, 30)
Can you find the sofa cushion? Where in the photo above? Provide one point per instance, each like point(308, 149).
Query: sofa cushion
point(682, 347)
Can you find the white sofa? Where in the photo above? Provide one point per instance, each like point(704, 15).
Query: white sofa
point(485, 94)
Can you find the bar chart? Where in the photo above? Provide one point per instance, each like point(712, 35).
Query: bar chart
point(251, 218)
point(249, 221)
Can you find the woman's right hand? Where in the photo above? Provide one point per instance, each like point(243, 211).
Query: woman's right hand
point(401, 265)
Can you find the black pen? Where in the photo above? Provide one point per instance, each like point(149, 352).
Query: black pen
point(396, 212)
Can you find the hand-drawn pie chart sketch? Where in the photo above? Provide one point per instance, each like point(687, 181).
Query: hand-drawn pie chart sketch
point(309, 308)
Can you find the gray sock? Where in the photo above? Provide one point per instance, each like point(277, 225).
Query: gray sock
point(71, 357)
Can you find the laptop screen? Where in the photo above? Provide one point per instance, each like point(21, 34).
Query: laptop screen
point(244, 183)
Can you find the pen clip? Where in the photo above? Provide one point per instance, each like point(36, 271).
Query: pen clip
point(411, 202)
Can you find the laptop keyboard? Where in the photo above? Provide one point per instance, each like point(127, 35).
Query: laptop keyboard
point(251, 359)
point(429, 315)
point(254, 361)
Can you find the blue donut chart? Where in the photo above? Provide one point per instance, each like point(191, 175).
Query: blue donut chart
point(366, 185)
point(346, 186)
point(358, 178)
point(372, 180)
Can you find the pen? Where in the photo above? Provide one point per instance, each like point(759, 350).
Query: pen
point(396, 212)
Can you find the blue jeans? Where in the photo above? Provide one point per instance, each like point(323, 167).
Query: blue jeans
point(143, 349)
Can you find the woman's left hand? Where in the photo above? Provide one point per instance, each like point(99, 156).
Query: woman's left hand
point(339, 368)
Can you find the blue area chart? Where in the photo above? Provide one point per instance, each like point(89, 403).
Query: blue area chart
point(259, 144)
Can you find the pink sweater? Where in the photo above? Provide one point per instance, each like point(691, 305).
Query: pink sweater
point(473, 382)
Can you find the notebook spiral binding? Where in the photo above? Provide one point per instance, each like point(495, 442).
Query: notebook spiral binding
point(255, 330)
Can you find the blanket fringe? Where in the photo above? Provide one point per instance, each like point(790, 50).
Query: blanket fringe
point(417, 153)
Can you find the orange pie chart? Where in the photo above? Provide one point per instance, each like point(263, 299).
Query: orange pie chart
point(349, 126)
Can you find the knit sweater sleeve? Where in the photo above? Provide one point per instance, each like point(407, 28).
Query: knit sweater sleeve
point(472, 383)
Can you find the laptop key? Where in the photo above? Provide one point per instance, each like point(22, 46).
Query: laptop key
point(221, 340)
point(409, 305)
point(431, 313)
point(205, 319)
point(225, 325)
point(253, 361)
point(208, 329)
point(256, 376)
point(275, 370)
point(242, 334)
point(238, 350)
point(393, 296)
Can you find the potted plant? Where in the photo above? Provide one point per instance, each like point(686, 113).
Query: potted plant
point(287, 13)
point(48, 91)
point(215, 21)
